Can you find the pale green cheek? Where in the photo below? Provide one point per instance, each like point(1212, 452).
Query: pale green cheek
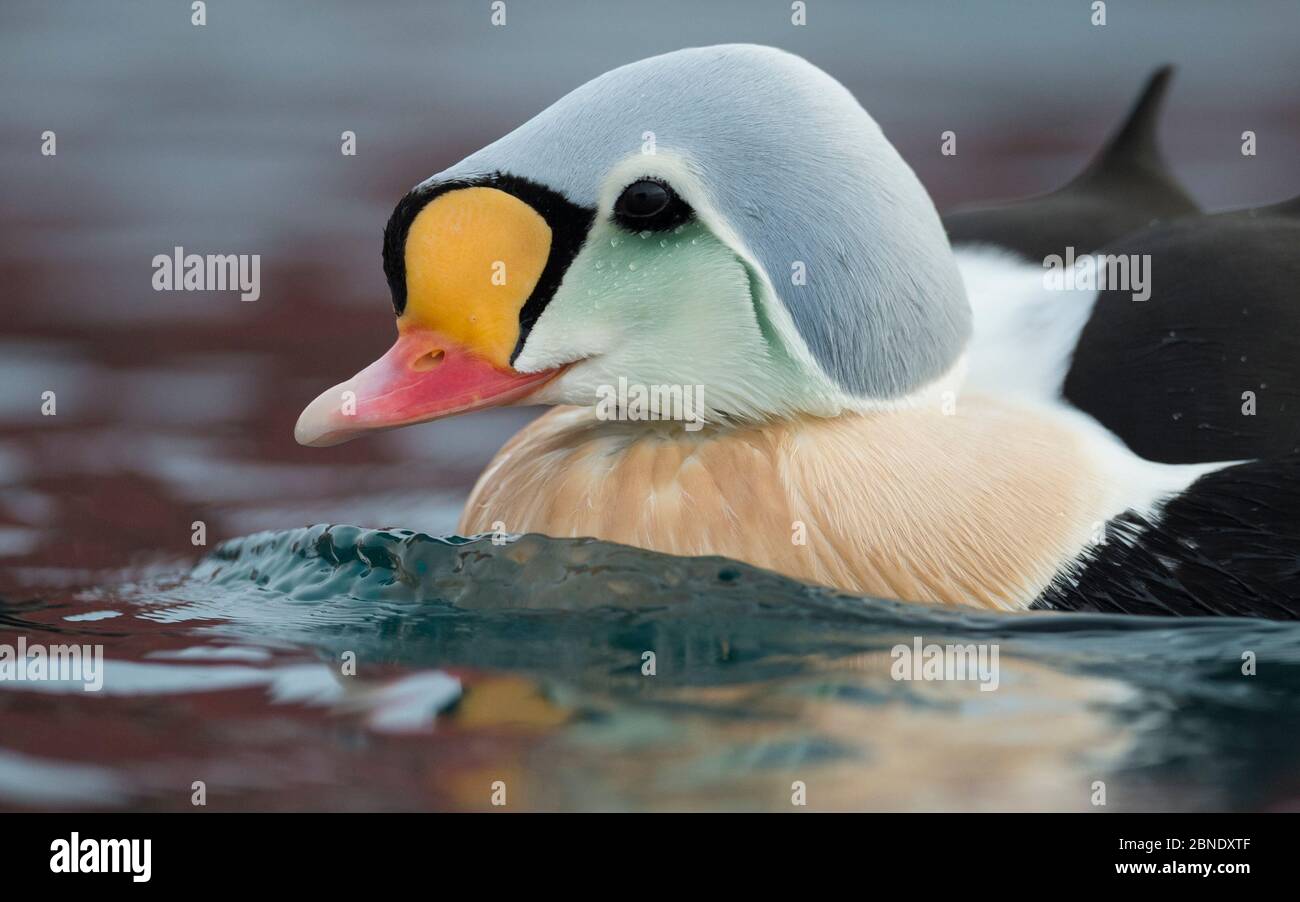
point(676, 306)
point(643, 277)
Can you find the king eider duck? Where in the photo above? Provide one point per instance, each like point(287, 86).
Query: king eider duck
point(729, 219)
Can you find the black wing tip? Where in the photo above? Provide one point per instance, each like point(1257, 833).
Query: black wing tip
point(1159, 79)
point(1134, 143)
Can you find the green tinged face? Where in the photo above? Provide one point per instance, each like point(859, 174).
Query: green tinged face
point(675, 307)
point(649, 277)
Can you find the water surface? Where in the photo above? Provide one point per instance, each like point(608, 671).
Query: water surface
point(524, 663)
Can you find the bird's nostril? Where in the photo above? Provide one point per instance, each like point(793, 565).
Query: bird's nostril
point(428, 361)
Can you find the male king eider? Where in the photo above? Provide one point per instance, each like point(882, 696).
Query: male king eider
point(730, 218)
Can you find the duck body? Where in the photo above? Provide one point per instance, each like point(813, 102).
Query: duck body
point(986, 504)
point(1227, 545)
point(1204, 366)
point(1000, 506)
point(1208, 367)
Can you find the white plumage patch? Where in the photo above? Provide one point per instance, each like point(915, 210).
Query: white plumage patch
point(1023, 333)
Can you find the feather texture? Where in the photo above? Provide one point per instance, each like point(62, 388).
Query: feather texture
point(980, 507)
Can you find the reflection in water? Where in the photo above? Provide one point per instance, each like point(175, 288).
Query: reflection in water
point(525, 663)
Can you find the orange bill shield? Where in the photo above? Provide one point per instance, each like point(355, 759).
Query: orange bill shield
point(472, 258)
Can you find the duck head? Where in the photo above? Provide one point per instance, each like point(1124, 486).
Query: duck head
point(726, 217)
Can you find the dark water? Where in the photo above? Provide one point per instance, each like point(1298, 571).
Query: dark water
point(522, 662)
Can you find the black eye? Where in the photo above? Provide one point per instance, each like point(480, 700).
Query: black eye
point(649, 204)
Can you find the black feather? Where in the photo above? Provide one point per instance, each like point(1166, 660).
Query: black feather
point(1170, 375)
point(1229, 545)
